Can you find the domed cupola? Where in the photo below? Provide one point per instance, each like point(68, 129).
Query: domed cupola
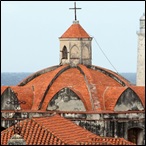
point(75, 45)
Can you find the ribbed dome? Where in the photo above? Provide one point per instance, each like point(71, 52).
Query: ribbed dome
point(89, 84)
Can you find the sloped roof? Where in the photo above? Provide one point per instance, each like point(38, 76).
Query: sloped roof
point(3, 88)
point(24, 95)
point(107, 141)
point(140, 91)
point(111, 95)
point(94, 85)
point(56, 130)
point(86, 82)
point(75, 31)
point(37, 131)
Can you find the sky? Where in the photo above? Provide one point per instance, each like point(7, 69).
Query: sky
point(30, 32)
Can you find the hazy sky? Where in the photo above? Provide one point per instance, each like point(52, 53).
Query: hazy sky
point(30, 32)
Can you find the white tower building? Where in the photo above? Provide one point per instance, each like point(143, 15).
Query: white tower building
point(140, 78)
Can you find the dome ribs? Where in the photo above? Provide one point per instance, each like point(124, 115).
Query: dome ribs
point(74, 80)
point(50, 84)
point(90, 85)
point(36, 74)
point(117, 77)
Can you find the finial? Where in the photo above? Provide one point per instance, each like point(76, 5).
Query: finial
point(75, 8)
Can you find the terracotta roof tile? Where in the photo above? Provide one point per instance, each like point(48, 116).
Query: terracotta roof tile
point(98, 78)
point(24, 94)
point(40, 84)
point(33, 132)
point(118, 76)
point(3, 88)
point(73, 79)
point(111, 95)
point(75, 31)
point(56, 130)
point(90, 82)
point(109, 141)
point(140, 91)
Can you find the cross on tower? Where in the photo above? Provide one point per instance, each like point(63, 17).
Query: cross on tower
point(75, 10)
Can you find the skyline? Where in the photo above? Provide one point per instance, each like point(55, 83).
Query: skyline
point(33, 28)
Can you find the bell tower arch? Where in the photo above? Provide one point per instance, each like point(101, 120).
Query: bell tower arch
point(78, 44)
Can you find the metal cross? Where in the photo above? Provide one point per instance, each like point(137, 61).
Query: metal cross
point(75, 10)
point(16, 102)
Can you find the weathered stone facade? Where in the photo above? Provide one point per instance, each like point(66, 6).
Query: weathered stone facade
point(128, 117)
point(75, 51)
point(93, 97)
point(107, 124)
point(66, 100)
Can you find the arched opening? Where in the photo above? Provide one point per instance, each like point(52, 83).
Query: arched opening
point(66, 100)
point(64, 53)
point(135, 135)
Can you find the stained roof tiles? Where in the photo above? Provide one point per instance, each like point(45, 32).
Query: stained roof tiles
point(56, 130)
point(107, 89)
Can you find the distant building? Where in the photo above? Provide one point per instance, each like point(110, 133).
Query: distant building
point(74, 102)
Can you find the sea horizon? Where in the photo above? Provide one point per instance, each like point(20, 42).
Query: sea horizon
point(13, 78)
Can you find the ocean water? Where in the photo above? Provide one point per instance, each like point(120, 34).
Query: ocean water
point(9, 79)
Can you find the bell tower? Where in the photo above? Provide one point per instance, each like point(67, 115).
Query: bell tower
point(140, 77)
point(75, 45)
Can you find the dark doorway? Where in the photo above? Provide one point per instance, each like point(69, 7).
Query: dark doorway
point(135, 135)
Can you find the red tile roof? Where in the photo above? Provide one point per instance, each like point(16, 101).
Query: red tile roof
point(41, 130)
point(95, 86)
point(75, 31)
point(113, 141)
point(117, 77)
point(3, 88)
point(56, 130)
point(74, 80)
point(25, 95)
point(40, 85)
point(111, 95)
point(140, 91)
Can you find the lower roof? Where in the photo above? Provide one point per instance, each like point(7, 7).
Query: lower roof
point(59, 131)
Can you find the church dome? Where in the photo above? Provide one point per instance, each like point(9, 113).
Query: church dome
point(87, 83)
